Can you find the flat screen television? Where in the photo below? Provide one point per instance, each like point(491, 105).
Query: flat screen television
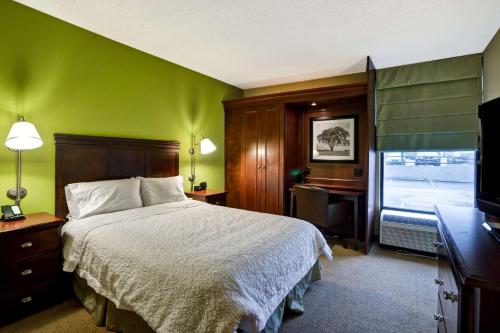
point(488, 177)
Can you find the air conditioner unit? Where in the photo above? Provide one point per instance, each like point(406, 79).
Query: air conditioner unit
point(407, 230)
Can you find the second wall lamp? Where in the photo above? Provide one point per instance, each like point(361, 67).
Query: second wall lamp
point(206, 147)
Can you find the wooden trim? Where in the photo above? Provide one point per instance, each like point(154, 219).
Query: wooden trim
point(342, 91)
point(335, 179)
point(371, 155)
point(115, 142)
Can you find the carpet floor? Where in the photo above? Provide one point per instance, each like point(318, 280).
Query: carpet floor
point(382, 292)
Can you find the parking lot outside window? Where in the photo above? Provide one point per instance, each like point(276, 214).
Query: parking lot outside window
point(416, 181)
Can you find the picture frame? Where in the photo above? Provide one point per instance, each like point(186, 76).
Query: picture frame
point(334, 139)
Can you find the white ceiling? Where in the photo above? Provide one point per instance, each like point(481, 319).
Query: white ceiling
point(252, 43)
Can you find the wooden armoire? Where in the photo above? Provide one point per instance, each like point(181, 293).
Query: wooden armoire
point(256, 176)
point(266, 137)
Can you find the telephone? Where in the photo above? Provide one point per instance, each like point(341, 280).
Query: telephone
point(201, 187)
point(12, 213)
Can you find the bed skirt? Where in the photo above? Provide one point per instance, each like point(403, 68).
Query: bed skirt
point(105, 313)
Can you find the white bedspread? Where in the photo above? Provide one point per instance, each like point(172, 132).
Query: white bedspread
point(193, 267)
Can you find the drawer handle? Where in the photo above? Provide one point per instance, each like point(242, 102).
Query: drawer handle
point(438, 317)
point(439, 282)
point(437, 244)
point(26, 272)
point(26, 245)
point(27, 300)
point(450, 296)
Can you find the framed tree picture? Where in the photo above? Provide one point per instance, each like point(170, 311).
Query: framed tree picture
point(334, 139)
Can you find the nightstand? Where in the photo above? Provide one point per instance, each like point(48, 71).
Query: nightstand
point(31, 276)
point(213, 197)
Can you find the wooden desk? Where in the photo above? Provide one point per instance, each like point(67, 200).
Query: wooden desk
point(345, 194)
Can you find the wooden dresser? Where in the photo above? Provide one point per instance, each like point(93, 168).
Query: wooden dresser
point(31, 276)
point(468, 273)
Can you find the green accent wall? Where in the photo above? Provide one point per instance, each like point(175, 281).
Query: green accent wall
point(66, 79)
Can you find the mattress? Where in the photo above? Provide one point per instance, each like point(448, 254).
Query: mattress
point(193, 267)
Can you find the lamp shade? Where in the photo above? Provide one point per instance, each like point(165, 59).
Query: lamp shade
point(23, 136)
point(206, 146)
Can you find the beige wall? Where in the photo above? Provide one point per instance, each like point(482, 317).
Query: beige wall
point(325, 82)
point(491, 68)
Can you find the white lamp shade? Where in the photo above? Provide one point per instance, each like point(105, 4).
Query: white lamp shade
point(23, 136)
point(206, 146)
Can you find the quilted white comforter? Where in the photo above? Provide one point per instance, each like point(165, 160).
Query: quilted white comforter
point(193, 267)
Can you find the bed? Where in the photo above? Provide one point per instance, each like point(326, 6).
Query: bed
point(182, 266)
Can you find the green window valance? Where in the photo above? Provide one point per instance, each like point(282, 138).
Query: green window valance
point(430, 105)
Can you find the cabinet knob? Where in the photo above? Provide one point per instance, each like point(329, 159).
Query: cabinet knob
point(26, 300)
point(26, 272)
point(438, 317)
point(439, 282)
point(26, 245)
point(258, 166)
point(264, 167)
point(437, 244)
point(450, 296)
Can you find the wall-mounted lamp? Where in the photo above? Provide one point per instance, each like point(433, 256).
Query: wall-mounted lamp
point(22, 136)
point(206, 147)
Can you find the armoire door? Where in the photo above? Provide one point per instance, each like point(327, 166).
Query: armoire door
point(249, 160)
point(268, 167)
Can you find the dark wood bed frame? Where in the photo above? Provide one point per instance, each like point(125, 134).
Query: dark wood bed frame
point(90, 158)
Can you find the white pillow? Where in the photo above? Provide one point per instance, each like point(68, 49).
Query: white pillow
point(107, 196)
point(155, 191)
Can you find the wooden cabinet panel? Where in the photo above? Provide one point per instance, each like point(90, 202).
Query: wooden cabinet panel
point(254, 168)
point(250, 159)
point(232, 145)
point(449, 308)
point(270, 160)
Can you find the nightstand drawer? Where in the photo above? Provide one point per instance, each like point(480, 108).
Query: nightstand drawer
point(25, 244)
point(27, 272)
point(219, 199)
point(28, 300)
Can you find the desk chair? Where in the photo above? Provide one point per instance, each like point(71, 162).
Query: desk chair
point(315, 206)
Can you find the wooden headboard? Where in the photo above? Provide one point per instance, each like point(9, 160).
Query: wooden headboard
point(90, 158)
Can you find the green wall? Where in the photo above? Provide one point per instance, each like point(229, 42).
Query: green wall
point(65, 79)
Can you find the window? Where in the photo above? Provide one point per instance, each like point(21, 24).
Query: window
point(416, 181)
